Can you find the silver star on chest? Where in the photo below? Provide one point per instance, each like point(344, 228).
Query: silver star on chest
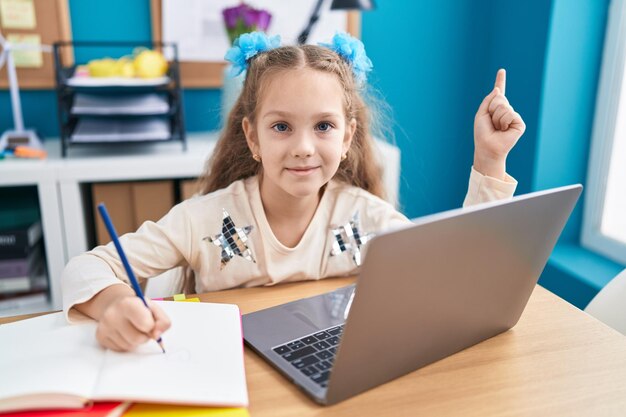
point(232, 240)
point(348, 238)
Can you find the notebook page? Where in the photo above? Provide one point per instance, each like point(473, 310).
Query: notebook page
point(203, 363)
point(47, 358)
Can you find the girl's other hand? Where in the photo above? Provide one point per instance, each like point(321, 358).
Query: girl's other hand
point(497, 128)
point(127, 323)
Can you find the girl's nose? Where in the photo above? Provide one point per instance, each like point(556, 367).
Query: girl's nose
point(304, 146)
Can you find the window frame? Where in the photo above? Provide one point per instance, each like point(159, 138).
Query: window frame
point(611, 88)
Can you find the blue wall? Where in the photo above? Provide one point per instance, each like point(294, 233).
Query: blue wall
point(429, 62)
point(39, 111)
point(435, 62)
point(568, 97)
point(569, 88)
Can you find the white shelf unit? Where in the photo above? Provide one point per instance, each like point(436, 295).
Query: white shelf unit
point(60, 181)
point(42, 175)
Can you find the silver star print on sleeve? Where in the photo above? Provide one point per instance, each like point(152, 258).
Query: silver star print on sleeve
point(348, 238)
point(232, 240)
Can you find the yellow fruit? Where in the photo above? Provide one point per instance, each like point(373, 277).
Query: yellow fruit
point(146, 64)
point(150, 64)
point(102, 67)
point(125, 68)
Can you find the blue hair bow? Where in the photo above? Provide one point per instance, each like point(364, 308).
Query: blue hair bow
point(247, 46)
point(353, 51)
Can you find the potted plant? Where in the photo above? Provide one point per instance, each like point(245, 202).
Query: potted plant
point(237, 21)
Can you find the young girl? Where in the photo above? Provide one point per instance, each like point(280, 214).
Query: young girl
point(292, 191)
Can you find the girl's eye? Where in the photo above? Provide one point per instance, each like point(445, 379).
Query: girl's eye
point(280, 127)
point(324, 127)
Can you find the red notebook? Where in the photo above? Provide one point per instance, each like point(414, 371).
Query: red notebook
point(103, 409)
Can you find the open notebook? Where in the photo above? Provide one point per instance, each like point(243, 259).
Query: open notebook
point(47, 363)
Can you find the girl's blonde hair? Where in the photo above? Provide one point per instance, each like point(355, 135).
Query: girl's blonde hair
point(232, 159)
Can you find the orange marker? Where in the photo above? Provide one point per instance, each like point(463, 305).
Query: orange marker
point(27, 152)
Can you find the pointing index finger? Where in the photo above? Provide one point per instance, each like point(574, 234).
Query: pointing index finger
point(501, 80)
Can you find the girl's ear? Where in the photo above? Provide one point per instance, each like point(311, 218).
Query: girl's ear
point(350, 130)
point(246, 125)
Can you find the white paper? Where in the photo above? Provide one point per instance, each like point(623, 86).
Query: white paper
point(119, 130)
point(45, 355)
point(197, 26)
point(203, 364)
point(135, 104)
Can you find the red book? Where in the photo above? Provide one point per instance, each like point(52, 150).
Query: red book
point(100, 409)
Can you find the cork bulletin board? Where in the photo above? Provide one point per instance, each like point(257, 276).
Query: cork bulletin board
point(40, 22)
point(197, 74)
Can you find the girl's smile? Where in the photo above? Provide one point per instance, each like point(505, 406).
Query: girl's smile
point(303, 171)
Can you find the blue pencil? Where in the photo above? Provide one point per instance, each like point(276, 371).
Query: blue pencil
point(131, 275)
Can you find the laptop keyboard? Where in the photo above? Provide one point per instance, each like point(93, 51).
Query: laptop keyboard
point(314, 354)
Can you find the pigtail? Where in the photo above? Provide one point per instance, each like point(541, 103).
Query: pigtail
point(231, 159)
point(361, 168)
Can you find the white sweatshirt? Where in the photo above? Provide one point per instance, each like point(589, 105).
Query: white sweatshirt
point(191, 235)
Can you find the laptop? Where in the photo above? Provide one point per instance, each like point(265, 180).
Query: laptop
point(425, 292)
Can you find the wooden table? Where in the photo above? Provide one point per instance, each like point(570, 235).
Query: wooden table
point(556, 361)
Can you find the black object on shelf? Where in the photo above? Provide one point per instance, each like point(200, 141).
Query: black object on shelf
point(335, 5)
point(101, 110)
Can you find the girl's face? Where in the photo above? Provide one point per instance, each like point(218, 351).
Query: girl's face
point(301, 131)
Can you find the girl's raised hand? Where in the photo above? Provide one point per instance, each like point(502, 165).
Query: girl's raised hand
point(497, 128)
